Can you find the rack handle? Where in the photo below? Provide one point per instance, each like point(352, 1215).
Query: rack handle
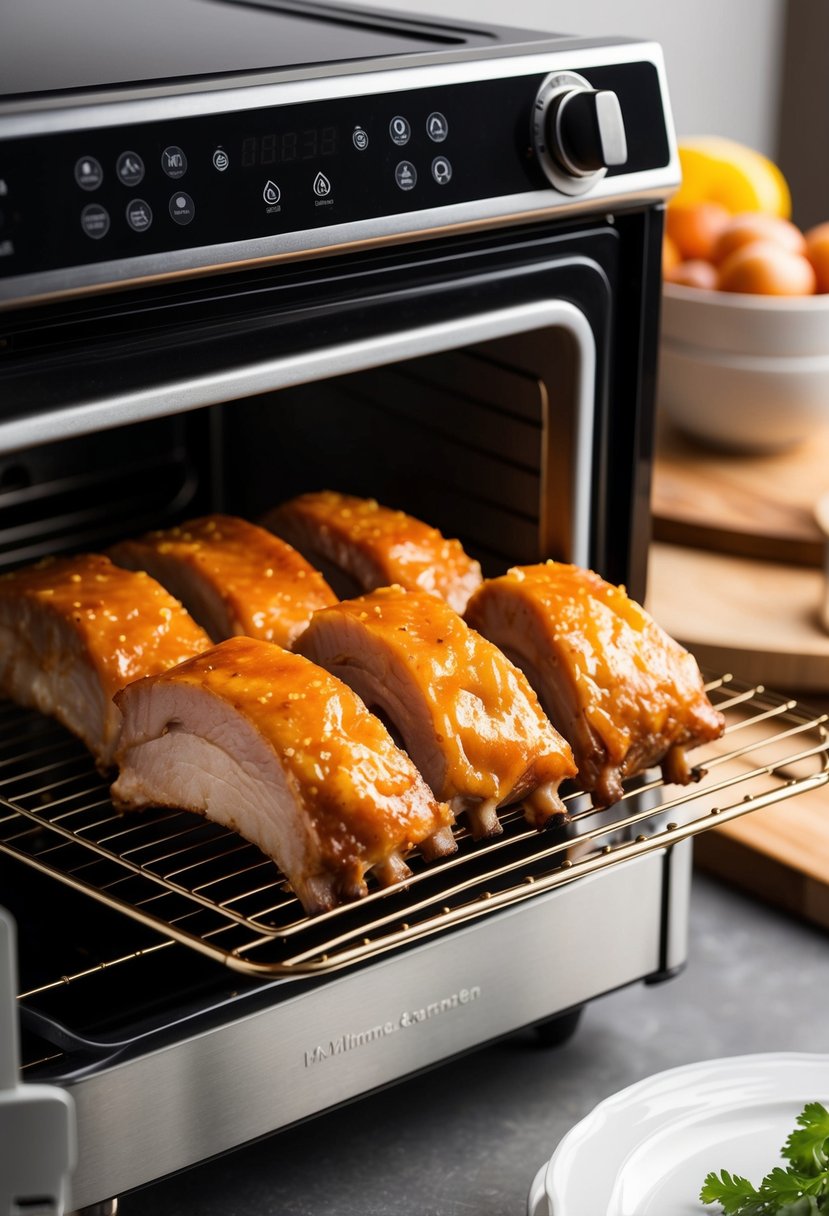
point(37, 1122)
point(9, 1041)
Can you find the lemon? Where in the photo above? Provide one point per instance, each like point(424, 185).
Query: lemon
point(715, 169)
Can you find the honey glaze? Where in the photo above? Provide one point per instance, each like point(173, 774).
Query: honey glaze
point(269, 590)
point(397, 547)
point(123, 622)
point(486, 720)
point(363, 795)
point(632, 679)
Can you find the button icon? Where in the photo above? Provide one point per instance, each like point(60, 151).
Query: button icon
point(399, 130)
point(406, 175)
point(182, 208)
point(88, 173)
point(271, 194)
point(322, 186)
point(221, 160)
point(359, 138)
point(139, 215)
point(437, 128)
point(4, 189)
point(174, 162)
point(441, 170)
point(130, 168)
point(6, 249)
point(95, 221)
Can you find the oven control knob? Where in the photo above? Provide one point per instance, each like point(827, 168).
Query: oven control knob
point(578, 132)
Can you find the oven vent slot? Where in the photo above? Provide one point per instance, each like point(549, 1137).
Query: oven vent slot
point(204, 886)
point(469, 438)
point(474, 442)
point(74, 496)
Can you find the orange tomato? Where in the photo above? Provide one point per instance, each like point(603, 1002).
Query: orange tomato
point(756, 226)
point(817, 251)
point(764, 268)
point(670, 255)
point(694, 227)
point(693, 273)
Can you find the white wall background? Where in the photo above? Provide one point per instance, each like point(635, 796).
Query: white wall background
point(722, 55)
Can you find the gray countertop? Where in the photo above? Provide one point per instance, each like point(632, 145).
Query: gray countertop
point(469, 1136)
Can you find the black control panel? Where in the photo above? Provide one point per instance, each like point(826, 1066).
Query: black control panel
point(117, 193)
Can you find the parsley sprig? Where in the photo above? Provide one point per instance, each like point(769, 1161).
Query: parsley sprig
point(801, 1189)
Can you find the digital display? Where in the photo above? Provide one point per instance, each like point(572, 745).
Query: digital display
point(283, 147)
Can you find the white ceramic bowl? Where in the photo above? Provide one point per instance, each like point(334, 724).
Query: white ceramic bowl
point(746, 373)
point(739, 324)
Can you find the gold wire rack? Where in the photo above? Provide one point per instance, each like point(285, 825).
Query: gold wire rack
point(200, 884)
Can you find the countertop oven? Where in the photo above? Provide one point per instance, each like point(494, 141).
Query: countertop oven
point(251, 249)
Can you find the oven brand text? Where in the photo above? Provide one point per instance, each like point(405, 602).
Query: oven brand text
point(408, 1019)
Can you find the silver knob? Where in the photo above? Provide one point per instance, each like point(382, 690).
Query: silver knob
point(578, 132)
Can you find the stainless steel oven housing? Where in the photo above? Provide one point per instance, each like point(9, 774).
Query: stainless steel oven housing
point(488, 365)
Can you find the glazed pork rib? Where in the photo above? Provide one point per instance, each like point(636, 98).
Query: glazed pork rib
point(74, 630)
point(232, 576)
point(373, 546)
point(466, 716)
point(620, 690)
point(265, 743)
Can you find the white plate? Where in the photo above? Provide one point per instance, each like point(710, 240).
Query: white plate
point(646, 1150)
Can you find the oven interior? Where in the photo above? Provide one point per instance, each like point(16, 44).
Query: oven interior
point(474, 441)
point(466, 439)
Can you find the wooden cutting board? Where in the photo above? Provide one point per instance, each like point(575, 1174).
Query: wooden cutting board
point(756, 506)
point(742, 587)
point(759, 621)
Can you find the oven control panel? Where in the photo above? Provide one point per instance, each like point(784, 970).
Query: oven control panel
point(203, 190)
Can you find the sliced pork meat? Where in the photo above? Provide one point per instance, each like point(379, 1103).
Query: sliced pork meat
point(361, 545)
point(625, 694)
point(75, 630)
point(269, 745)
point(233, 577)
point(466, 716)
